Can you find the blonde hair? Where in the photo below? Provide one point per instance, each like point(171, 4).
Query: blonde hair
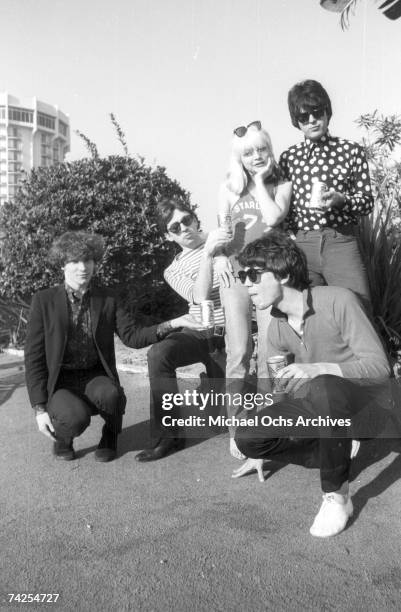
point(237, 177)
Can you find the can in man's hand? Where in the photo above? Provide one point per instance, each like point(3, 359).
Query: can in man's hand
point(207, 313)
point(318, 189)
point(274, 365)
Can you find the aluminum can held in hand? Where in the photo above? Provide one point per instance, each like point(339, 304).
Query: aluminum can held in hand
point(207, 313)
point(274, 365)
point(318, 189)
point(225, 222)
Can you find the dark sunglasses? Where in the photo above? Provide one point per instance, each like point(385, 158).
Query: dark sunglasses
point(242, 129)
point(316, 112)
point(175, 228)
point(253, 274)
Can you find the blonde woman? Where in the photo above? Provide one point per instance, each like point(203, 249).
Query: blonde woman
point(255, 198)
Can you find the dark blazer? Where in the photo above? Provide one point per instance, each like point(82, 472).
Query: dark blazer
point(47, 336)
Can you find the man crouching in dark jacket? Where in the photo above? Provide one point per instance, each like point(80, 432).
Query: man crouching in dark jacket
point(69, 352)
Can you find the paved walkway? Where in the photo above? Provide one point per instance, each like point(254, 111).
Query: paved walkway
point(179, 534)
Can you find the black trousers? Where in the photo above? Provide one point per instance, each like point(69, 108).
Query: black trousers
point(330, 397)
point(79, 395)
point(180, 349)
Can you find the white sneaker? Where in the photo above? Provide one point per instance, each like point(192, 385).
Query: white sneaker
point(332, 516)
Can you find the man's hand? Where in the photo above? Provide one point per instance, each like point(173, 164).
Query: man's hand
point(216, 240)
point(332, 199)
point(45, 425)
point(250, 465)
point(223, 269)
point(187, 321)
point(293, 376)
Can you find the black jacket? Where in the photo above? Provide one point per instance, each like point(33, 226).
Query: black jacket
point(47, 336)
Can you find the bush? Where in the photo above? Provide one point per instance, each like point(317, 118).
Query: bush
point(381, 232)
point(382, 253)
point(113, 196)
point(13, 320)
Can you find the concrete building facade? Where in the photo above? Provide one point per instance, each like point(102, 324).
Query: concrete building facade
point(32, 134)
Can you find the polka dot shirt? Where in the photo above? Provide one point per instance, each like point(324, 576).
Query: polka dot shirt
point(341, 165)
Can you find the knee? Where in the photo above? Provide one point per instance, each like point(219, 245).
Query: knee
point(325, 382)
point(66, 409)
point(161, 355)
point(104, 394)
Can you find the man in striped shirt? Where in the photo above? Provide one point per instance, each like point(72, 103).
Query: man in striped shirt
point(191, 275)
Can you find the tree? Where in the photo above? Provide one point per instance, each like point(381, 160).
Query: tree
point(381, 140)
point(113, 196)
point(390, 8)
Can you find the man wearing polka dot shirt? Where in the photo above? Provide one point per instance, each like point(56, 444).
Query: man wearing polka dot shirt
point(327, 231)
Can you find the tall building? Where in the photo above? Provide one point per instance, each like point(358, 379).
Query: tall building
point(32, 134)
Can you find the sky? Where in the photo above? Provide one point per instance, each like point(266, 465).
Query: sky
point(180, 75)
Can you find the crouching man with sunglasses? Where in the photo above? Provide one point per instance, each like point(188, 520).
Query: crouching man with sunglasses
point(337, 378)
point(191, 275)
point(331, 191)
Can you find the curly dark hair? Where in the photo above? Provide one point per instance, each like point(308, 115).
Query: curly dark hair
point(279, 254)
point(165, 210)
point(77, 246)
point(307, 95)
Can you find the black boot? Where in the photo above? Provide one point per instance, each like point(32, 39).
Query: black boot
point(63, 449)
point(107, 448)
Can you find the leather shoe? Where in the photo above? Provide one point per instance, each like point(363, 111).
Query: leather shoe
point(165, 446)
point(107, 448)
point(63, 450)
point(105, 454)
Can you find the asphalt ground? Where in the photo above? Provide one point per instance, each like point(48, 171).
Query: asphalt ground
point(179, 534)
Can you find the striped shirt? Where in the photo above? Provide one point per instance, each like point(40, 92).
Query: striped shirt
point(181, 275)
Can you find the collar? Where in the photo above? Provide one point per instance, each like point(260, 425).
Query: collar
point(323, 139)
point(74, 294)
point(308, 308)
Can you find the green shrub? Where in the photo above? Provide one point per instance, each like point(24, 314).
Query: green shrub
point(113, 196)
point(382, 252)
point(13, 320)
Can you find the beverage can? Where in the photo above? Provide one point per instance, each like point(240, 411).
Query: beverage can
point(274, 365)
point(318, 189)
point(207, 313)
point(225, 222)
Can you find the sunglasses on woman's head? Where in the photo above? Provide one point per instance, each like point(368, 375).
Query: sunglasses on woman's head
point(316, 112)
point(253, 274)
point(175, 228)
point(242, 129)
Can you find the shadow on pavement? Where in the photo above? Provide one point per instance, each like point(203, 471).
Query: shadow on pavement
point(371, 452)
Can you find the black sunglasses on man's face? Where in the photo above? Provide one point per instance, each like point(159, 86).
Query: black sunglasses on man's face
point(316, 112)
point(175, 228)
point(254, 275)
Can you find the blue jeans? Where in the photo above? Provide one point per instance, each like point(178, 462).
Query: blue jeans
point(334, 258)
point(238, 318)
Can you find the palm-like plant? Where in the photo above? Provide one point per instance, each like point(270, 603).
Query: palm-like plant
point(390, 8)
point(381, 231)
